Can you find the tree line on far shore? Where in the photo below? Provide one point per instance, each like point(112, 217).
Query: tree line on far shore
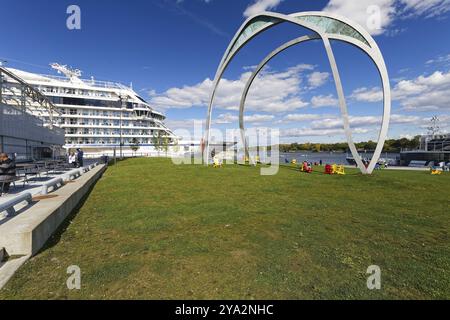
point(392, 145)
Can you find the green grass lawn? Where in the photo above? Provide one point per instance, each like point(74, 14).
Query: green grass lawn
point(154, 230)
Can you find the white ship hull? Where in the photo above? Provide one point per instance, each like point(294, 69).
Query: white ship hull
point(100, 117)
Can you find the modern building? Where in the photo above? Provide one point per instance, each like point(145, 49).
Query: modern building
point(22, 134)
point(433, 149)
point(100, 117)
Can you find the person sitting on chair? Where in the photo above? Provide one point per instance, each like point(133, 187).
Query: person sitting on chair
point(7, 172)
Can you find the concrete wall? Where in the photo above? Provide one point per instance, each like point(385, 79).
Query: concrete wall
point(21, 133)
point(27, 233)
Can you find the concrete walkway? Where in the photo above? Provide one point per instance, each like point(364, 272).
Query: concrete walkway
point(24, 234)
point(34, 185)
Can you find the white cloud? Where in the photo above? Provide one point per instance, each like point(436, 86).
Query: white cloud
point(325, 125)
point(231, 118)
point(272, 92)
point(367, 95)
point(317, 79)
point(363, 121)
point(301, 117)
point(183, 124)
point(361, 11)
point(324, 101)
point(259, 118)
point(337, 123)
point(308, 132)
point(260, 6)
point(427, 8)
point(444, 59)
point(424, 93)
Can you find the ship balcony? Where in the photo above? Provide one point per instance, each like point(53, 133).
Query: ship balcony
point(101, 126)
point(107, 136)
point(109, 117)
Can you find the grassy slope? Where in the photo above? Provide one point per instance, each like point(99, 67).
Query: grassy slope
point(153, 230)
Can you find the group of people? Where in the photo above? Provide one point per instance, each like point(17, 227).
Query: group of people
point(76, 159)
point(310, 164)
point(8, 168)
point(7, 172)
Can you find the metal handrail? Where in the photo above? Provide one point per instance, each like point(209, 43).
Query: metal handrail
point(72, 175)
point(55, 183)
point(93, 83)
point(9, 204)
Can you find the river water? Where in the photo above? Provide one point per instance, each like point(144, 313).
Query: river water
point(329, 157)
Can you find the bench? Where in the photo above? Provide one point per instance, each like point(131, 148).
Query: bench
point(72, 175)
point(26, 172)
point(9, 204)
point(417, 164)
point(12, 180)
point(54, 183)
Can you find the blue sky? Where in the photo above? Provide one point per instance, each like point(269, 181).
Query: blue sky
point(170, 50)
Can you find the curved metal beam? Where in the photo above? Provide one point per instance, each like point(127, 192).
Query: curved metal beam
point(343, 105)
point(371, 50)
point(255, 74)
point(228, 57)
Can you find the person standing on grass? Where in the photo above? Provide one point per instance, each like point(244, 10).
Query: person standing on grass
point(7, 171)
point(80, 158)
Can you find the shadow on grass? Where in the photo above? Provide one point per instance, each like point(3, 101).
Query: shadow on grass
point(56, 237)
point(112, 162)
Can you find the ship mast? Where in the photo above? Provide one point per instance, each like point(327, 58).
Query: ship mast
point(73, 74)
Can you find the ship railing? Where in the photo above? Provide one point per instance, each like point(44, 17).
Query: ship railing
point(90, 82)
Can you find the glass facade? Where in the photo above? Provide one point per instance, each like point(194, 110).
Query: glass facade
point(254, 26)
point(333, 26)
point(84, 102)
point(324, 24)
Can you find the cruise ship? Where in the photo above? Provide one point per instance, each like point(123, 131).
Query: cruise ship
point(99, 117)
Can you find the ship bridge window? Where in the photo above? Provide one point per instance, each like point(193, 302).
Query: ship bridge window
point(141, 99)
point(82, 102)
point(131, 105)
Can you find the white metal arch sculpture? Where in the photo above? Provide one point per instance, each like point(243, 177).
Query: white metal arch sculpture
point(325, 26)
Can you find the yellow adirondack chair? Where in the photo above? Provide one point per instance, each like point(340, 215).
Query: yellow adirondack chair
point(338, 169)
point(341, 170)
point(217, 163)
point(436, 172)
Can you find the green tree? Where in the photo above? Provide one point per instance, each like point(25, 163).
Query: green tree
point(165, 143)
point(135, 146)
point(156, 141)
